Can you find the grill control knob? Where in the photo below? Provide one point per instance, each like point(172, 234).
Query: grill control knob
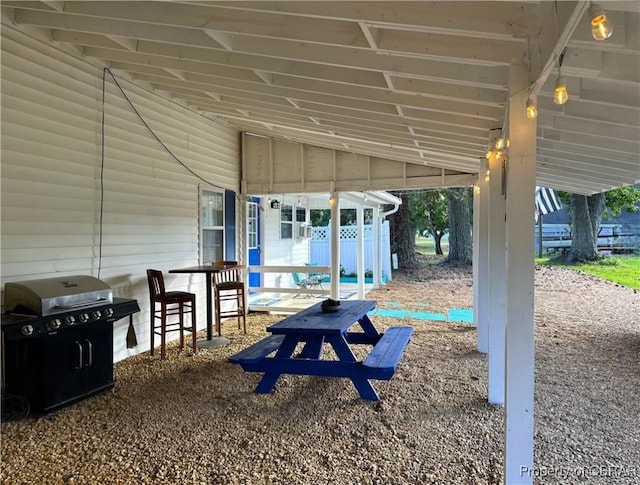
point(96, 315)
point(27, 330)
point(108, 312)
point(83, 317)
point(70, 320)
point(55, 323)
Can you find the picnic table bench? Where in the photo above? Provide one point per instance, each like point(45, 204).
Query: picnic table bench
point(313, 329)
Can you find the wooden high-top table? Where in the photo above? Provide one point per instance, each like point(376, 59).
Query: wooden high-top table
point(208, 270)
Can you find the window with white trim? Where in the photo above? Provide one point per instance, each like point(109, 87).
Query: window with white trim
point(252, 225)
point(211, 225)
point(301, 214)
point(286, 221)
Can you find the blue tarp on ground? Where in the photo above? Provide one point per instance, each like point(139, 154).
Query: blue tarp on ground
point(454, 315)
point(385, 312)
point(429, 316)
point(460, 315)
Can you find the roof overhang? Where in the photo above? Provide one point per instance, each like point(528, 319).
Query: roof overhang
point(423, 83)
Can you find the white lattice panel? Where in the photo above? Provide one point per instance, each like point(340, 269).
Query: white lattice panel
point(320, 248)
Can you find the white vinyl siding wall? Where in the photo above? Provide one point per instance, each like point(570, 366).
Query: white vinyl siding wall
point(281, 252)
point(51, 167)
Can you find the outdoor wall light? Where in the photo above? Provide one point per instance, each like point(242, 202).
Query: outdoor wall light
point(560, 94)
point(601, 28)
point(532, 111)
point(275, 204)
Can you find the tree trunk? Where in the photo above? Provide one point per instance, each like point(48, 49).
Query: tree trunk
point(583, 240)
point(437, 237)
point(460, 240)
point(596, 204)
point(402, 234)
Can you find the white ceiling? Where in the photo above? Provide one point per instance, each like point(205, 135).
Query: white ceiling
point(420, 82)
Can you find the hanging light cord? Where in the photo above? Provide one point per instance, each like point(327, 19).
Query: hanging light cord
point(101, 213)
point(146, 125)
point(560, 55)
point(102, 154)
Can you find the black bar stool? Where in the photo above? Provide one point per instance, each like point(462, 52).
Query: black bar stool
point(228, 286)
point(171, 303)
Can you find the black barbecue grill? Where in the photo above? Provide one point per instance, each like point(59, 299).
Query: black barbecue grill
point(57, 339)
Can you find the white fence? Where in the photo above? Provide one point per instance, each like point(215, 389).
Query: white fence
point(320, 248)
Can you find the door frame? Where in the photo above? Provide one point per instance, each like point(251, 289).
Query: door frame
point(255, 253)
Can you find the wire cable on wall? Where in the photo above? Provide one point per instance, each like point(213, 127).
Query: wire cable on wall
point(101, 214)
point(153, 133)
point(102, 153)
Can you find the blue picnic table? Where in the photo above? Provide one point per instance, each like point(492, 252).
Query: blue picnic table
point(313, 328)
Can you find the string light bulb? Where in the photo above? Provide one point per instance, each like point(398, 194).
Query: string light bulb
point(601, 28)
point(532, 111)
point(560, 94)
point(500, 143)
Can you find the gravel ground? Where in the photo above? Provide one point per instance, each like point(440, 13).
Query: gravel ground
point(195, 419)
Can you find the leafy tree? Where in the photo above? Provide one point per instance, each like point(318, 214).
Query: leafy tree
point(402, 233)
point(321, 217)
point(429, 213)
point(627, 198)
point(460, 202)
point(587, 212)
point(584, 235)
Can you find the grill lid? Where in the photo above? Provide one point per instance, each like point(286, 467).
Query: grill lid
point(56, 295)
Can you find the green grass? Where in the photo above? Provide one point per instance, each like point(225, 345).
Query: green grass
point(624, 270)
point(427, 246)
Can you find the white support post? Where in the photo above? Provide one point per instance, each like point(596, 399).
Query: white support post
point(334, 203)
point(242, 251)
point(360, 250)
point(497, 281)
point(519, 362)
point(476, 241)
point(481, 261)
point(376, 256)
